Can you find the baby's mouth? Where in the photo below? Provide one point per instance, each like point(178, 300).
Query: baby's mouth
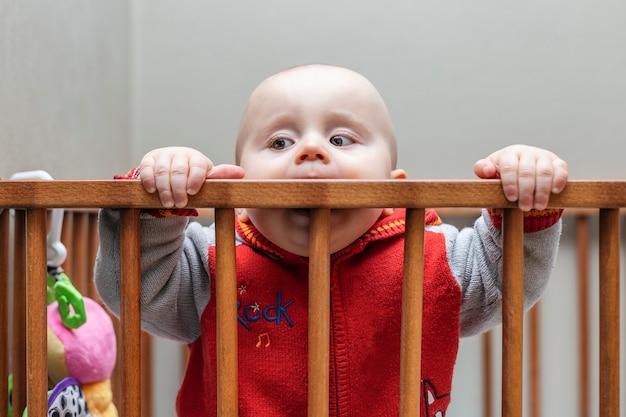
point(300, 217)
point(305, 212)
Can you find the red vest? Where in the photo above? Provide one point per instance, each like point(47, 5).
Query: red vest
point(366, 289)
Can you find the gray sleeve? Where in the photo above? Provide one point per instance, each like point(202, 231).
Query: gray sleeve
point(475, 256)
point(175, 286)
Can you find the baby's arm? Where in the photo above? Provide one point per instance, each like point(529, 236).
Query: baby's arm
point(475, 256)
point(174, 256)
point(529, 175)
point(174, 279)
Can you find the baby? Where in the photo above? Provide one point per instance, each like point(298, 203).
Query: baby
point(324, 122)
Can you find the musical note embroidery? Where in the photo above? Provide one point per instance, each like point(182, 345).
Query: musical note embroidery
point(261, 337)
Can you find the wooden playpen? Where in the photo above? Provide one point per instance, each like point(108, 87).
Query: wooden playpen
point(27, 244)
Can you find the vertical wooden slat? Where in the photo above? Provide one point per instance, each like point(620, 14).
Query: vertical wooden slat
point(78, 258)
point(487, 358)
point(67, 237)
point(19, 313)
point(92, 251)
point(534, 359)
point(512, 312)
point(582, 250)
point(130, 316)
point(609, 312)
point(4, 307)
point(412, 291)
point(226, 304)
point(319, 307)
point(116, 377)
point(36, 317)
point(184, 359)
point(146, 374)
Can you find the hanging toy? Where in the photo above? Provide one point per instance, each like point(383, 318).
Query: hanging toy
point(86, 353)
point(81, 353)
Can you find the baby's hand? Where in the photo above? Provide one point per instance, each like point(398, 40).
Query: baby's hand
point(177, 172)
point(528, 174)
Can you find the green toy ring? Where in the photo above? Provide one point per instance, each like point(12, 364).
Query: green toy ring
point(61, 289)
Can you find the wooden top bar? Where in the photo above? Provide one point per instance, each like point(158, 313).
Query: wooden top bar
point(299, 194)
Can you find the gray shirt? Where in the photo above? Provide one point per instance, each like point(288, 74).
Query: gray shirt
point(175, 281)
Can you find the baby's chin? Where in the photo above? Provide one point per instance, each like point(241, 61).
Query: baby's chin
point(290, 231)
point(303, 250)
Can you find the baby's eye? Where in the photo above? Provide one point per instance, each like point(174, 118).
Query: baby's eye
point(340, 140)
point(281, 143)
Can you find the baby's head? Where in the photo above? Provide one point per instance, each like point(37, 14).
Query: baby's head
point(315, 122)
point(286, 103)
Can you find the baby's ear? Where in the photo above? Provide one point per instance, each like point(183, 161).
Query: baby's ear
point(242, 214)
point(398, 174)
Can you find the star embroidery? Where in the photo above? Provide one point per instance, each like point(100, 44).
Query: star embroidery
point(242, 289)
point(255, 307)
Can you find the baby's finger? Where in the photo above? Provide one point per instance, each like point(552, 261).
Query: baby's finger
point(226, 172)
point(163, 181)
point(508, 172)
point(544, 174)
point(561, 173)
point(199, 167)
point(146, 173)
point(179, 176)
point(526, 181)
point(485, 169)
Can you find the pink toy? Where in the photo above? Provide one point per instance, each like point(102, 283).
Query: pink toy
point(87, 353)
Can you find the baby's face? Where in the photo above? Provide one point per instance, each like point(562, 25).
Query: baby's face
point(315, 123)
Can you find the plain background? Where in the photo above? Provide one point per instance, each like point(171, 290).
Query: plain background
point(87, 87)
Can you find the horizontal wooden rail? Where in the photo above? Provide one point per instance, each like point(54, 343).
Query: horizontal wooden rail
point(322, 195)
point(302, 194)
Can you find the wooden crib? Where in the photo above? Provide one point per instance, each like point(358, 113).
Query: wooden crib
point(32, 199)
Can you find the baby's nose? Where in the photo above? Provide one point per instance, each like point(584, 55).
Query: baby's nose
point(308, 156)
point(312, 150)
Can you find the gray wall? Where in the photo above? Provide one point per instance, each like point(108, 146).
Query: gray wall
point(88, 87)
point(64, 87)
point(461, 78)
